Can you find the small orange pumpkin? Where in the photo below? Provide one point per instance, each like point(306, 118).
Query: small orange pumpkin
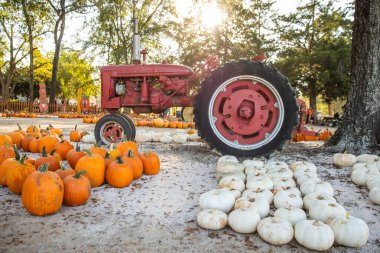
point(6, 152)
point(42, 192)
point(77, 189)
point(33, 145)
point(48, 159)
point(64, 172)
point(32, 129)
point(49, 141)
point(108, 159)
point(151, 163)
point(16, 138)
point(63, 147)
point(5, 140)
point(54, 130)
point(75, 135)
point(124, 146)
point(135, 163)
point(74, 155)
point(95, 166)
point(98, 150)
point(119, 174)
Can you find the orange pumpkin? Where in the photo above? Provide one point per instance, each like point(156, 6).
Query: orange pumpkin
point(108, 159)
point(32, 129)
point(62, 148)
point(16, 138)
point(151, 163)
point(64, 172)
point(49, 141)
point(325, 135)
point(5, 140)
point(179, 125)
point(4, 166)
point(95, 166)
point(33, 145)
point(124, 146)
point(119, 174)
point(25, 143)
point(98, 150)
point(21, 131)
point(18, 170)
point(6, 152)
point(311, 138)
point(54, 130)
point(49, 159)
point(77, 189)
point(114, 152)
point(185, 125)
point(135, 163)
point(42, 192)
point(74, 155)
point(158, 122)
point(172, 124)
point(75, 135)
point(30, 160)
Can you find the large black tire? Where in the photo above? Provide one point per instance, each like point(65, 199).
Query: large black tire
point(130, 123)
point(246, 68)
point(127, 128)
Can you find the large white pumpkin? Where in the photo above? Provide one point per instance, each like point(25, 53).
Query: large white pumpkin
point(315, 198)
point(301, 165)
point(302, 172)
point(194, 137)
point(373, 181)
point(323, 210)
point(314, 235)
point(88, 138)
point(212, 219)
point(259, 204)
point(166, 139)
point(228, 159)
point(344, 160)
point(283, 183)
point(232, 182)
point(374, 195)
point(255, 171)
point(308, 177)
point(180, 138)
point(259, 183)
point(229, 167)
point(312, 186)
point(292, 214)
point(349, 231)
point(221, 199)
point(367, 158)
point(253, 163)
point(364, 165)
point(243, 220)
point(360, 176)
point(280, 173)
point(265, 194)
point(142, 136)
point(287, 199)
point(219, 176)
point(275, 230)
point(275, 164)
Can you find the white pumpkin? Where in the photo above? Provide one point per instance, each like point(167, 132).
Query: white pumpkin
point(275, 164)
point(229, 167)
point(180, 138)
point(219, 176)
point(255, 171)
point(323, 210)
point(166, 139)
point(259, 204)
point(305, 178)
point(253, 163)
point(221, 199)
point(287, 199)
point(344, 160)
point(275, 230)
point(280, 173)
point(178, 131)
point(303, 166)
point(283, 183)
point(194, 137)
point(232, 182)
point(314, 235)
point(156, 136)
point(361, 176)
point(293, 190)
point(266, 194)
point(243, 220)
point(228, 159)
point(212, 219)
point(367, 158)
point(88, 138)
point(236, 193)
point(317, 197)
point(312, 186)
point(374, 195)
point(349, 231)
point(292, 214)
point(302, 172)
point(259, 183)
point(142, 136)
point(364, 165)
point(373, 181)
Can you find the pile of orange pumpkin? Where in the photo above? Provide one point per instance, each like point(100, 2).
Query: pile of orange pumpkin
point(20, 115)
point(159, 122)
point(322, 136)
point(45, 183)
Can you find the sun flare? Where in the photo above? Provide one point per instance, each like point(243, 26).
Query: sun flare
point(212, 16)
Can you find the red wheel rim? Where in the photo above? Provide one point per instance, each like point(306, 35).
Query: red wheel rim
point(111, 132)
point(246, 111)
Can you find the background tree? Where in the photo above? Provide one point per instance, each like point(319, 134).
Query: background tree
point(360, 128)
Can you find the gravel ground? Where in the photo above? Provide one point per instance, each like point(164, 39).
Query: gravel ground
point(157, 214)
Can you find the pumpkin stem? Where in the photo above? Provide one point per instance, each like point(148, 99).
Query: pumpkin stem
point(107, 156)
point(22, 161)
point(17, 153)
point(77, 148)
point(19, 127)
point(79, 173)
point(44, 151)
point(130, 153)
point(34, 129)
point(88, 152)
point(48, 132)
point(51, 126)
point(6, 144)
point(119, 160)
point(124, 139)
point(347, 215)
point(75, 128)
point(111, 146)
point(61, 166)
point(97, 145)
point(146, 153)
point(43, 168)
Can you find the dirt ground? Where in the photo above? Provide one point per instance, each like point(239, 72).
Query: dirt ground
point(157, 214)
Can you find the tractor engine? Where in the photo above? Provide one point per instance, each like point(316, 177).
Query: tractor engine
point(145, 88)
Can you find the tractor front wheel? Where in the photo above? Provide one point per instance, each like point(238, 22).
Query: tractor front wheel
point(246, 108)
point(112, 128)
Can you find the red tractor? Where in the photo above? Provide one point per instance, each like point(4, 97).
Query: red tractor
point(244, 108)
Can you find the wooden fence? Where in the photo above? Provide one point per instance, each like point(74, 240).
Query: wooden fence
point(17, 106)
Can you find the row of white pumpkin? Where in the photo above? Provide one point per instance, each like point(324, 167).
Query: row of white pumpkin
point(366, 172)
point(254, 203)
point(179, 136)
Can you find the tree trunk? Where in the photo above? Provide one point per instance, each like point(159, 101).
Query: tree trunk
point(331, 113)
point(360, 128)
point(313, 98)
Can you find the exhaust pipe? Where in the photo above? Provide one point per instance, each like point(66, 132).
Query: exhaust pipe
point(136, 43)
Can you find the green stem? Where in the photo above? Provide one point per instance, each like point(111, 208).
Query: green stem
point(146, 153)
point(97, 145)
point(43, 168)
point(79, 173)
point(130, 153)
point(6, 144)
point(53, 151)
point(77, 148)
point(19, 127)
point(107, 156)
point(61, 166)
point(75, 128)
point(17, 153)
point(119, 160)
point(88, 152)
point(22, 161)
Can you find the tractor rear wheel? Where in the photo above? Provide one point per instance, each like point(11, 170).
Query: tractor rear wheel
point(246, 108)
point(112, 128)
point(187, 114)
